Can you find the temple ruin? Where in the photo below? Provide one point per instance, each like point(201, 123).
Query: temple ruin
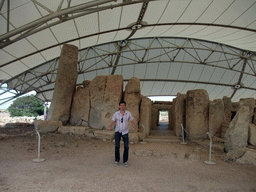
point(88, 108)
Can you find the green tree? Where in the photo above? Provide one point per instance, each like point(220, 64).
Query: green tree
point(27, 106)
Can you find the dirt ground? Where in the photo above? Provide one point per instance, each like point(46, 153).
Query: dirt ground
point(78, 163)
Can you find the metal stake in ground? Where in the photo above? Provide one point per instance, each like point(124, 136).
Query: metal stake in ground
point(210, 152)
point(183, 139)
point(38, 160)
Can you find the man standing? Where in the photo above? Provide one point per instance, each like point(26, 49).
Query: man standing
point(121, 119)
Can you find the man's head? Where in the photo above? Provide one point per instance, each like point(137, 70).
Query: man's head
point(122, 106)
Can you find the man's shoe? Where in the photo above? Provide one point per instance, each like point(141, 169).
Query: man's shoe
point(126, 164)
point(116, 164)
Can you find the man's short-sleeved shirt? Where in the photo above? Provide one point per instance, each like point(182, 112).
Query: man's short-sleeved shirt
point(122, 125)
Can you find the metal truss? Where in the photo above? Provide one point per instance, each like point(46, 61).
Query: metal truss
point(137, 52)
point(62, 14)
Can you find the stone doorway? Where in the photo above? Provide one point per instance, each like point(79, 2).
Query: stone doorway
point(162, 128)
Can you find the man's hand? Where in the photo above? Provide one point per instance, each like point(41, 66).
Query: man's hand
point(133, 128)
point(109, 128)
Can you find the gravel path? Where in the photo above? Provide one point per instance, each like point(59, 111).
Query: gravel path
point(77, 163)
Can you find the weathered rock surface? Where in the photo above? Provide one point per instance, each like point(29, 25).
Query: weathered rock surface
point(97, 90)
point(216, 113)
point(72, 129)
point(170, 117)
point(154, 117)
point(248, 158)
point(227, 115)
point(105, 95)
point(194, 157)
point(197, 112)
point(233, 155)
point(179, 113)
point(250, 102)
point(47, 126)
point(132, 97)
point(65, 85)
point(237, 133)
point(81, 106)
point(134, 137)
point(145, 115)
point(252, 134)
point(112, 96)
point(181, 155)
point(104, 134)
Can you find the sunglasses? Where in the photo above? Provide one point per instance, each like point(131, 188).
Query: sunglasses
point(122, 120)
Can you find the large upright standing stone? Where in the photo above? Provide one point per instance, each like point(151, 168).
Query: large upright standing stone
point(170, 114)
point(197, 111)
point(154, 116)
point(216, 112)
point(112, 96)
point(227, 115)
point(250, 102)
point(179, 113)
point(97, 90)
point(132, 98)
point(81, 105)
point(145, 116)
point(65, 85)
point(237, 133)
point(105, 95)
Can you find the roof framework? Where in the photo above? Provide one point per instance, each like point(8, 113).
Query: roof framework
point(171, 46)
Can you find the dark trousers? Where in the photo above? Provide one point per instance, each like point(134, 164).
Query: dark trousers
point(117, 146)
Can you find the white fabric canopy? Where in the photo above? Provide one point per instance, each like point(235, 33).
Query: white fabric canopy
point(170, 45)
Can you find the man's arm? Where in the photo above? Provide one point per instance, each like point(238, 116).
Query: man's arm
point(133, 125)
point(110, 126)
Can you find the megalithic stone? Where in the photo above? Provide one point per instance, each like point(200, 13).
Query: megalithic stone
point(132, 97)
point(65, 85)
point(197, 113)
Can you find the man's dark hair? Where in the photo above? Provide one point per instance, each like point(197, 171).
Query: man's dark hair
point(122, 102)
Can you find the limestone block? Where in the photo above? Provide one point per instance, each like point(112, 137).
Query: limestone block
point(112, 96)
point(248, 158)
point(154, 116)
point(233, 155)
point(132, 97)
point(105, 95)
point(145, 116)
point(89, 133)
point(216, 113)
point(252, 134)
point(81, 106)
point(104, 134)
point(72, 129)
point(162, 107)
point(170, 114)
point(65, 85)
point(227, 115)
point(134, 137)
point(133, 86)
point(97, 90)
point(179, 113)
point(197, 113)
point(47, 126)
point(237, 133)
point(250, 102)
